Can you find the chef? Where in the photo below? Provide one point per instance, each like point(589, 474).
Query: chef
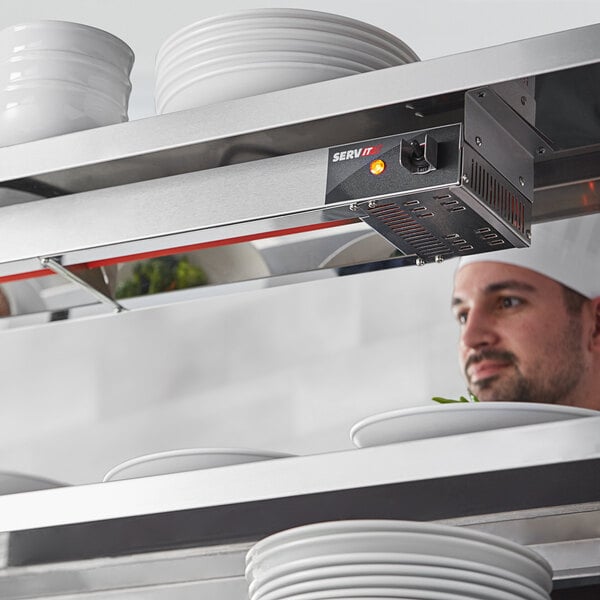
point(530, 317)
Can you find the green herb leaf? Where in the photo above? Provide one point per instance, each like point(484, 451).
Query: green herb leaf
point(444, 400)
point(441, 400)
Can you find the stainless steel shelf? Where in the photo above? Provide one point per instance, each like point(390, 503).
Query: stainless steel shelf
point(535, 484)
point(523, 447)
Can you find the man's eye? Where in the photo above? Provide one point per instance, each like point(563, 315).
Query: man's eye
point(461, 317)
point(509, 302)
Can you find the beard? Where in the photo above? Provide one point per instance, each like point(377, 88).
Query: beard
point(552, 382)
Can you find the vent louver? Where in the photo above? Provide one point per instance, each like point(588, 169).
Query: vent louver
point(498, 197)
point(415, 237)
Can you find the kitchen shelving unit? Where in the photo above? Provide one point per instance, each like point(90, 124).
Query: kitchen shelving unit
point(170, 181)
point(256, 168)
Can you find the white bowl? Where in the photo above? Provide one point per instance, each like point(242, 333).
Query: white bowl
point(64, 35)
point(65, 67)
point(281, 18)
point(23, 297)
point(241, 81)
point(268, 81)
point(45, 108)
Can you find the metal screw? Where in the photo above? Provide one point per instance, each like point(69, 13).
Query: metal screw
point(541, 150)
point(478, 141)
point(353, 207)
point(465, 178)
point(528, 234)
point(420, 262)
point(523, 100)
point(418, 114)
point(439, 258)
point(521, 181)
point(372, 204)
point(409, 106)
point(481, 94)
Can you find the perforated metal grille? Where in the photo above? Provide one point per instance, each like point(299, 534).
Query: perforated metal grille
point(401, 223)
point(500, 199)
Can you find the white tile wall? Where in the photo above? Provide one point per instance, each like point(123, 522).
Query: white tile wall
point(289, 368)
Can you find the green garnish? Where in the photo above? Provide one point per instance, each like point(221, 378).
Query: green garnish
point(473, 398)
point(160, 275)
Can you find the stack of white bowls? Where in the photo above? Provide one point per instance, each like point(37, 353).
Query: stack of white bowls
point(263, 50)
point(393, 559)
point(57, 77)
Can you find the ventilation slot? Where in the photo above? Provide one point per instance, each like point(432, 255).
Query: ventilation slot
point(403, 225)
point(491, 238)
point(459, 243)
point(500, 199)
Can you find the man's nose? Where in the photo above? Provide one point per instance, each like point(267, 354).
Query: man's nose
point(479, 330)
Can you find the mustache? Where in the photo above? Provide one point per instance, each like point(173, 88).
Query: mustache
point(499, 355)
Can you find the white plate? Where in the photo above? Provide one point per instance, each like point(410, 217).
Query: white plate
point(16, 483)
point(315, 531)
point(535, 569)
point(242, 81)
point(289, 39)
point(485, 591)
point(180, 77)
point(324, 575)
point(439, 420)
point(360, 563)
point(382, 592)
point(368, 247)
point(192, 459)
point(281, 18)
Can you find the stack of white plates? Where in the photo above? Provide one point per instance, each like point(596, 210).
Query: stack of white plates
point(57, 77)
point(438, 420)
point(393, 559)
point(262, 50)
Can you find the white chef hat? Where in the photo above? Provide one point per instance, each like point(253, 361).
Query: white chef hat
point(567, 251)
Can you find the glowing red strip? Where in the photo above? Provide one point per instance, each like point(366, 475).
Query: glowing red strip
point(181, 249)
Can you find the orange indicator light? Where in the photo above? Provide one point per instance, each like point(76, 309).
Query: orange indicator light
point(377, 167)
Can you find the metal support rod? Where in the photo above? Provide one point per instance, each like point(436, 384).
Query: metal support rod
point(54, 265)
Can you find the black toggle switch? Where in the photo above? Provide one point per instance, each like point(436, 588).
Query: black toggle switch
point(419, 157)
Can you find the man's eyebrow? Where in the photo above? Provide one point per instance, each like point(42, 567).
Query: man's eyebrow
point(500, 286)
point(510, 284)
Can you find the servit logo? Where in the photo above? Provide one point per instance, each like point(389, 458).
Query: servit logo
point(356, 153)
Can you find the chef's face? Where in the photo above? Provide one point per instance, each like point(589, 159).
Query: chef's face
point(518, 340)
